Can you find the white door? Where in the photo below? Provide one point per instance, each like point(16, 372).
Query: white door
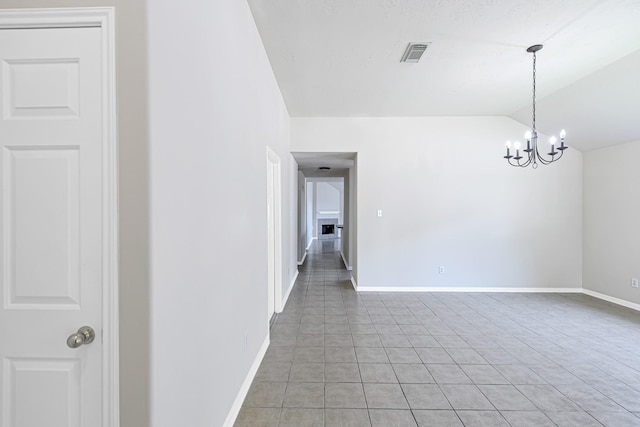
point(51, 223)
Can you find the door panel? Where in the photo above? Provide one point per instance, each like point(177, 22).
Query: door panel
point(42, 211)
point(42, 389)
point(51, 154)
point(39, 88)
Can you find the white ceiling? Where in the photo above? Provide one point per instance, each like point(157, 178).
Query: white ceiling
point(342, 58)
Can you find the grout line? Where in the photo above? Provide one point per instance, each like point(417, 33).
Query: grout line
point(322, 289)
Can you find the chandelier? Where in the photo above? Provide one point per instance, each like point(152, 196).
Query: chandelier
point(532, 154)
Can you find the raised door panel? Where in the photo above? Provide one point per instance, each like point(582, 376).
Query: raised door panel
point(41, 228)
point(41, 88)
point(42, 392)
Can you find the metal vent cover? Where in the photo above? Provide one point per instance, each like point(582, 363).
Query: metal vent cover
point(414, 52)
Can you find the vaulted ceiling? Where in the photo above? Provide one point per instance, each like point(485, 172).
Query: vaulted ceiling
point(342, 58)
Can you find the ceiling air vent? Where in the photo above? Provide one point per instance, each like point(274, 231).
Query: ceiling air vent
point(414, 52)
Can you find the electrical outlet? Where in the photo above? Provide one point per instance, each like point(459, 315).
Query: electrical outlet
point(634, 282)
point(441, 269)
point(379, 212)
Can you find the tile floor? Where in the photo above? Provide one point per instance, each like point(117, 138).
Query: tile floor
point(341, 358)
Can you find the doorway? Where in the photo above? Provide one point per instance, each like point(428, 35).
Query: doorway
point(331, 168)
point(274, 235)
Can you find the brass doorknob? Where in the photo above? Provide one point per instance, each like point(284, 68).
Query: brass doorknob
point(85, 335)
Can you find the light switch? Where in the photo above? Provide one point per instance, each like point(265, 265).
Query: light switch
point(379, 212)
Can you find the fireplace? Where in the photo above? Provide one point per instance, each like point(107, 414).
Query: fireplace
point(327, 228)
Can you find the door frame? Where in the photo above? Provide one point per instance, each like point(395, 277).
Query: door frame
point(274, 160)
point(103, 18)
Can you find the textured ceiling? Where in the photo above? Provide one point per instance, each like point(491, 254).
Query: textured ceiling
point(342, 58)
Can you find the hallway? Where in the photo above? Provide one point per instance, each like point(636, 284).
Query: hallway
point(341, 358)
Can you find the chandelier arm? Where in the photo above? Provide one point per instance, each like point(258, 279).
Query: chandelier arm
point(543, 159)
point(523, 164)
point(558, 156)
point(547, 161)
point(531, 157)
point(517, 163)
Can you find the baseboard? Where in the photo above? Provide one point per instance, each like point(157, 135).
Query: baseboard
point(467, 289)
point(303, 258)
point(611, 299)
point(286, 297)
point(310, 242)
point(344, 260)
point(237, 404)
point(594, 294)
point(355, 285)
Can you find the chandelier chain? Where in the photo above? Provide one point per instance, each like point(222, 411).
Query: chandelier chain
point(534, 92)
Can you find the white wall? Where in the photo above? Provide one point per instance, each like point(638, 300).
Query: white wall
point(328, 199)
point(214, 107)
point(449, 199)
point(611, 220)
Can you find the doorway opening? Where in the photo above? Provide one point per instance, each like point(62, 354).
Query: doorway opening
point(274, 239)
point(327, 208)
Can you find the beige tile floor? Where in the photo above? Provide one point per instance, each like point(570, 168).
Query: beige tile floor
point(341, 358)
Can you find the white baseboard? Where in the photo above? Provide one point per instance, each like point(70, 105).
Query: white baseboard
point(355, 285)
point(303, 258)
point(237, 404)
point(286, 296)
point(611, 299)
point(466, 289)
point(311, 242)
point(344, 260)
point(594, 294)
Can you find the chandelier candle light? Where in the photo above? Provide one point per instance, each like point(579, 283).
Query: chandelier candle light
point(531, 154)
